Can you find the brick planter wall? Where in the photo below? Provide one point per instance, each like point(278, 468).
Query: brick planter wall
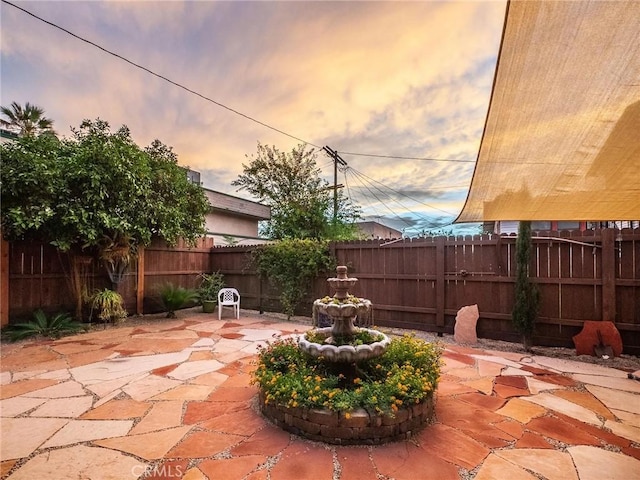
point(360, 429)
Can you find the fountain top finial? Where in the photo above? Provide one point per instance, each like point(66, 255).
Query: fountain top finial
point(341, 271)
point(341, 283)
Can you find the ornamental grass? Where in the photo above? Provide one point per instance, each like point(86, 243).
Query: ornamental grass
point(407, 373)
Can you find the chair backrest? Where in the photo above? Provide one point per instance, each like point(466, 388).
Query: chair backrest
point(228, 296)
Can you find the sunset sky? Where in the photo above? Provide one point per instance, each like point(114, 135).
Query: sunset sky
point(391, 79)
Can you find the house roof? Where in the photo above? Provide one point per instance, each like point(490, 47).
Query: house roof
point(238, 206)
point(561, 135)
point(6, 135)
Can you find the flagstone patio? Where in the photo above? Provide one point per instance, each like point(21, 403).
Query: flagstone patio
point(172, 399)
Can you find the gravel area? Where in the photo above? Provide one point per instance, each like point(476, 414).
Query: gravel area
point(628, 363)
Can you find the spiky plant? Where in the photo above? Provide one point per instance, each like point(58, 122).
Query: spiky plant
point(175, 297)
point(53, 327)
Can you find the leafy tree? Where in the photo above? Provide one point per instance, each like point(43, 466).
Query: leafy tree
point(527, 298)
point(97, 193)
point(301, 201)
point(26, 121)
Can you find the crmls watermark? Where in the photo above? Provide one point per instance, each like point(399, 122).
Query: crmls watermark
point(162, 471)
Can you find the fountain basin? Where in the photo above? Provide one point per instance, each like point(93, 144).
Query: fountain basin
point(344, 353)
point(343, 310)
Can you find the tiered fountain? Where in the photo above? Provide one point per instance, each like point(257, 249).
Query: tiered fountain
point(343, 309)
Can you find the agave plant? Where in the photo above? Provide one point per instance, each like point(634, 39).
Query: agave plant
point(53, 327)
point(175, 297)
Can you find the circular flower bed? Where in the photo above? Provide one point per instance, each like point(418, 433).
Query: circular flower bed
point(372, 401)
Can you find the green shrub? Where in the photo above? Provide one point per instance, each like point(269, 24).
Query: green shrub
point(292, 265)
point(407, 373)
point(52, 327)
point(109, 305)
point(175, 297)
point(210, 285)
point(527, 294)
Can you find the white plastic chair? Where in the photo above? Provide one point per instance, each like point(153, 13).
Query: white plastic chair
point(229, 297)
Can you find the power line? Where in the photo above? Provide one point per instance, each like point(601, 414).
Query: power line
point(204, 97)
point(364, 181)
point(408, 158)
point(162, 77)
point(378, 199)
point(402, 194)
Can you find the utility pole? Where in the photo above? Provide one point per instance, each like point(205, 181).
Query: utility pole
point(336, 159)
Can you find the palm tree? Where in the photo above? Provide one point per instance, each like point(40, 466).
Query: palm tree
point(29, 120)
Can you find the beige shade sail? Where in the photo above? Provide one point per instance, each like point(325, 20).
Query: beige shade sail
point(562, 134)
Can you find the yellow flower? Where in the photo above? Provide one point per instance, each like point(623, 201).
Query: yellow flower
point(347, 415)
point(357, 381)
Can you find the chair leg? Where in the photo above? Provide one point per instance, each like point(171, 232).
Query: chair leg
point(219, 312)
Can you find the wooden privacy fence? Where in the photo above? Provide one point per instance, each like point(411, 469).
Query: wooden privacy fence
point(415, 284)
point(35, 275)
point(421, 284)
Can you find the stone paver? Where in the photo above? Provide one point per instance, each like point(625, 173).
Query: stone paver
point(21, 436)
point(12, 407)
point(599, 464)
point(551, 464)
point(406, 461)
point(173, 399)
point(616, 399)
point(150, 445)
point(77, 431)
point(162, 415)
point(118, 410)
point(80, 462)
point(64, 407)
point(558, 404)
point(495, 467)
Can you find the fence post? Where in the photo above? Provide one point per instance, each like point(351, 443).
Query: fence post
point(4, 282)
point(140, 282)
point(440, 285)
point(608, 275)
